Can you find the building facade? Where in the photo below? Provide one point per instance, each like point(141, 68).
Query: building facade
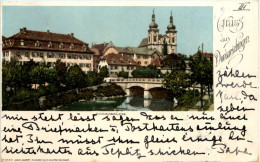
point(48, 47)
point(141, 55)
point(158, 41)
point(117, 62)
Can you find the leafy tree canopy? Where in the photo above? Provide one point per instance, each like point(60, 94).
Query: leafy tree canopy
point(75, 77)
point(147, 72)
point(174, 62)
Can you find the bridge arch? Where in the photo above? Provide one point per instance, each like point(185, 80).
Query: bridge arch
point(160, 92)
point(136, 91)
point(146, 83)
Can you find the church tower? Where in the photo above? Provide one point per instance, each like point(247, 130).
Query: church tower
point(172, 34)
point(153, 34)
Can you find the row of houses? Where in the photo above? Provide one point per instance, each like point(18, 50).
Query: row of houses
point(48, 47)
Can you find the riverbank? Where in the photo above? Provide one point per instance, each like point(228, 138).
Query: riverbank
point(57, 100)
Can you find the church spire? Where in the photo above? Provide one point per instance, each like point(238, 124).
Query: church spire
point(153, 24)
point(171, 18)
point(171, 27)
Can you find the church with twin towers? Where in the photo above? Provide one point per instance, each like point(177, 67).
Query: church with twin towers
point(157, 41)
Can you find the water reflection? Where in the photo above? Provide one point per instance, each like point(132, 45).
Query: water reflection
point(136, 103)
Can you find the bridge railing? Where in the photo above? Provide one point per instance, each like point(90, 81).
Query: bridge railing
point(143, 80)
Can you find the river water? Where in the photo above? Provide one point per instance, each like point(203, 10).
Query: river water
point(136, 103)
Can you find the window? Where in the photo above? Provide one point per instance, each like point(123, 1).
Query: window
point(37, 44)
point(115, 67)
point(35, 54)
point(145, 62)
point(7, 54)
point(50, 45)
point(145, 57)
point(88, 57)
point(27, 54)
point(84, 47)
point(128, 68)
point(172, 39)
point(138, 57)
point(50, 55)
point(69, 64)
point(113, 60)
point(82, 65)
point(75, 56)
point(61, 46)
point(22, 42)
point(149, 39)
point(154, 38)
point(3, 54)
point(121, 61)
point(41, 55)
point(129, 61)
point(139, 62)
point(62, 55)
point(72, 47)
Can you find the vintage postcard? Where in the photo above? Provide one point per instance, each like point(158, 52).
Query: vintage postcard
point(129, 81)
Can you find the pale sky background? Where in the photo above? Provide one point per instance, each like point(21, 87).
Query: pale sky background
point(124, 26)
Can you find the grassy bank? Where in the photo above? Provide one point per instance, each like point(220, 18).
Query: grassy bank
point(30, 101)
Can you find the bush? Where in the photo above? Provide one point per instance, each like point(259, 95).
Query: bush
point(189, 97)
point(147, 72)
point(123, 74)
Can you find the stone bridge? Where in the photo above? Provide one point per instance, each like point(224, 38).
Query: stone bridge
point(145, 83)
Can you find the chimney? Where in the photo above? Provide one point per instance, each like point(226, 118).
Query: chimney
point(21, 29)
point(72, 34)
point(202, 48)
point(48, 31)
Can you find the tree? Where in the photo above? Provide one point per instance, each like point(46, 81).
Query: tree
point(147, 72)
point(13, 75)
point(28, 66)
point(61, 69)
point(103, 72)
point(123, 74)
point(52, 76)
point(39, 74)
point(185, 57)
point(93, 78)
point(174, 62)
point(201, 72)
point(176, 81)
point(165, 48)
point(209, 69)
point(75, 78)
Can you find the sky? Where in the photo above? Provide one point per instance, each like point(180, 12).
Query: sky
point(124, 26)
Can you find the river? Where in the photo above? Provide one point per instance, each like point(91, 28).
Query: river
point(136, 103)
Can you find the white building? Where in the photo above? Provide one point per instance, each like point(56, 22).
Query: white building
point(49, 47)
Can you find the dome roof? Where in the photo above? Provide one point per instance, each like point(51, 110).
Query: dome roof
point(153, 25)
point(171, 26)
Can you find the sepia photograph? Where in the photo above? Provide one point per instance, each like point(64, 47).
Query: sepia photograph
point(124, 81)
point(93, 58)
